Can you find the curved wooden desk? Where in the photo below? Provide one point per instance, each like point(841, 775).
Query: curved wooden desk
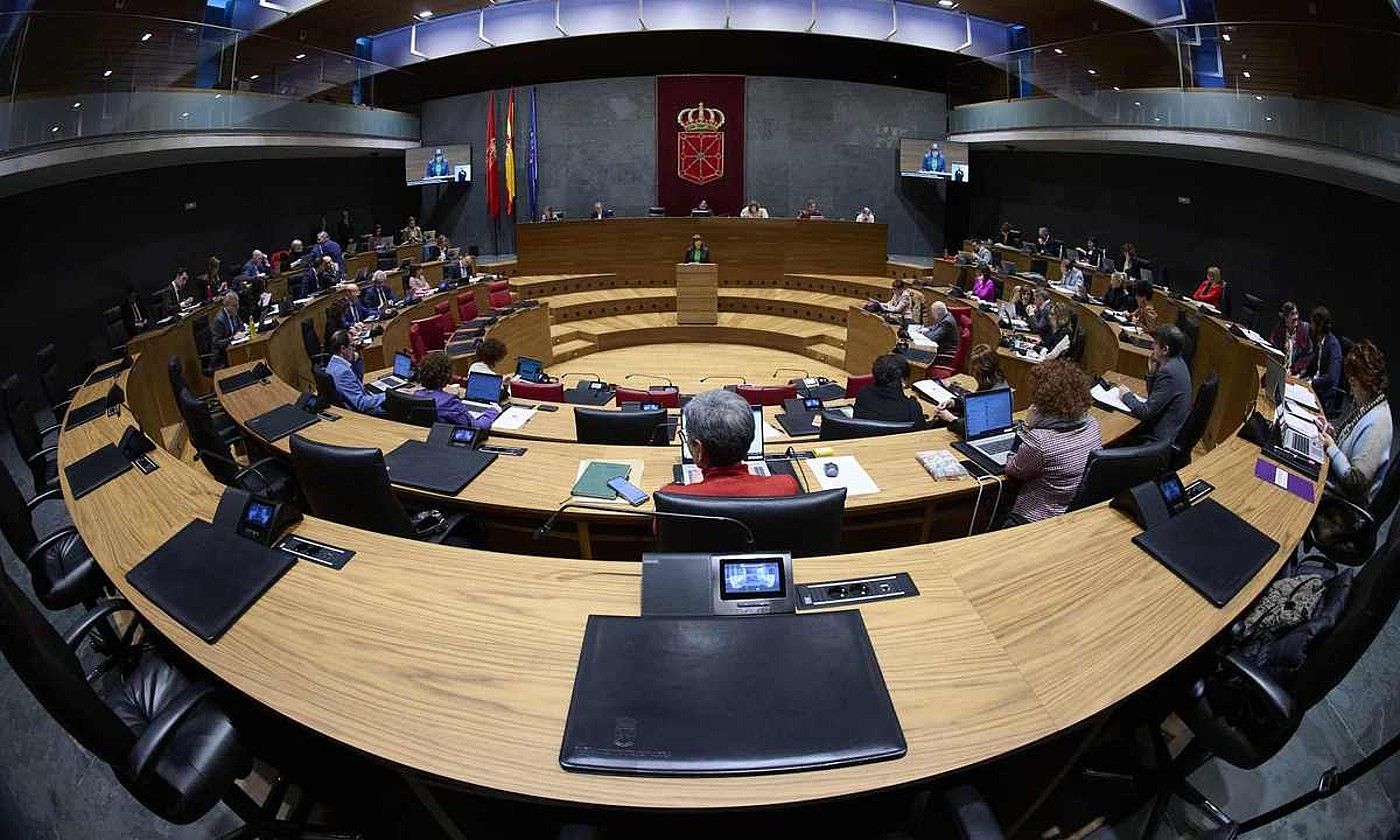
point(458, 664)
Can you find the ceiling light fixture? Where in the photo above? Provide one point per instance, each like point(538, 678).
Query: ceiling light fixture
point(148, 36)
point(948, 4)
point(53, 129)
point(1093, 72)
point(424, 15)
point(1138, 104)
point(218, 96)
point(253, 78)
point(1116, 87)
point(106, 74)
point(1269, 119)
point(1059, 51)
point(185, 115)
point(77, 105)
point(1246, 74)
point(300, 56)
point(1258, 99)
point(1225, 37)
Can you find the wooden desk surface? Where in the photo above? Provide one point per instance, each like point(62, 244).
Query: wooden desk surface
point(459, 663)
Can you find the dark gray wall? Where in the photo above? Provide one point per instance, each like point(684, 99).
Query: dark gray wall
point(83, 242)
point(1275, 236)
point(837, 142)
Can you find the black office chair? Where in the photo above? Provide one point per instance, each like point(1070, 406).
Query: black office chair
point(625, 428)
point(1244, 713)
point(1111, 471)
point(326, 394)
point(1195, 425)
point(61, 568)
point(203, 338)
point(1191, 329)
point(117, 336)
point(314, 351)
point(410, 408)
point(57, 393)
point(351, 486)
point(1250, 307)
point(837, 426)
point(223, 424)
point(807, 524)
point(267, 477)
point(958, 813)
point(1077, 342)
point(1351, 536)
point(29, 438)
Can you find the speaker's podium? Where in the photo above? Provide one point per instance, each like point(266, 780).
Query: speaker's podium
point(697, 293)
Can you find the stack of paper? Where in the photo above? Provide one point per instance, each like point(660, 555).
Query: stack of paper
point(1108, 397)
point(1300, 395)
point(935, 392)
point(849, 474)
point(513, 418)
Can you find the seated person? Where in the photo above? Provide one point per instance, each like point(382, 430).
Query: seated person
point(811, 211)
point(1007, 234)
point(376, 296)
point(1325, 369)
point(985, 367)
point(327, 247)
point(1211, 288)
point(1025, 303)
point(698, 252)
point(341, 314)
point(461, 268)
point(257, 265)
point(347, 371)
point(295, 258)
point(983, 286)
point(1044, 244)
point(1039, 317)
point(943, 332)
point(328, 275)
point(984, 252)
point(703, 208)
point(899, 303)
point(1061, 325)
point(884, 399)
point(1168, 387)
point(434, 372)
point(411, 234)
point(1071, 278)
point(718, 429)
point(1119, 297)
point(1054, 445)
point(753, 210)
point(172, 295)
point(599, 211)
point(865, 216)
point(488, 355)
point(1093, 254)
point(1292, 338)
point(1145, 316)
point(416, 285)
point(1359, 448)
point(226, 328)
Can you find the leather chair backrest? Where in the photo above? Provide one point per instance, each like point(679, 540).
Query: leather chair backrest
point(175, 372)
point(500, 299)
point(466, 307)
point(431, 333)
point(199, 424)
point(807, 524)
point(1195, 424)
point(859, 382)
point(664, 397)
point(50, 378)
point(309, 340)
point(1111, 471)
point(766, 394)
point(326, 394)
point(349, 485)
point(22, 425)
point(441, 308)
point(622, 428)
point(837, 426)
point(546, 391)
point(15, 520)
point(408, 408)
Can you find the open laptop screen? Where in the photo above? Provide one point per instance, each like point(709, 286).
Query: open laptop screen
point(403, 365)
point(528, 368)
point(483, 387)
point(987, 412)
point(755, 452)
point(1275, 378)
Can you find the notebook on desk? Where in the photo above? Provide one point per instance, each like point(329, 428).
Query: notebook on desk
point(437, 469)
point(96, 469)
point(281, 421)
point(712, 696)
point(1210, 548)
point(78, 415)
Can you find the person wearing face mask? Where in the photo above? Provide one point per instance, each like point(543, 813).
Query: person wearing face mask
point(347, 372)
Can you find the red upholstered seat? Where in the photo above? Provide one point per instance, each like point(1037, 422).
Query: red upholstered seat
point(466, 307)
point(444, 318)
point(958, 364)
point(498, 286)
point(667, 397)
point(766, 394)
point(499, 299)
point(416, 347)
point(431, 336)
point(442, 309)
point(545, 391)
point(859, 383)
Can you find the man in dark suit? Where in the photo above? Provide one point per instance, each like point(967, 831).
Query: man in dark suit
point(461, 268)
point(226, 327)
point(1168, 387)
point(174, 292)
point(698, 252)
point(327, 247)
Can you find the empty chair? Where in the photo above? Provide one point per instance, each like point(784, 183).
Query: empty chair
point(267, 477)
point(466, 307)
point(837, 426)
point(29, 438)
point(807, 524)
point(60, 566)
point(857, 383)
point(500, 300)
point(326, 394)
point(498, 286)
point(430, 332)
point(442, 308)
point(1111, 471)
point(667, 397)
point(314, 351)
point(627, 428)
point(408, 408)
point(203, 338)
point(545, 391)
point(117, 335)
point(1250, 307)
point(1195, 424)
point(56, 390)
point(224, 426)
point(766, 394)
point(417, 348)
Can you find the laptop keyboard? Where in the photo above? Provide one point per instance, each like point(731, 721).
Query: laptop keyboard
point(1304, 445)
point(996, 447)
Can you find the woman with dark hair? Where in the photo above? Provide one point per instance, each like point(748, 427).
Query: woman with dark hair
point(982, 285)
point(985, 367)
point(1119, 297)
point(1292, 338)
point(1056, 342)
point(434, 372)
point(1129, 264)
point(340, 315)
point(884, 399)
point(1054, 445)
point(488, 355)
point(1359, 448)
point(1326, 365)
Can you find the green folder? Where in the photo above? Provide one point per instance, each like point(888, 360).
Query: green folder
point(594, 481)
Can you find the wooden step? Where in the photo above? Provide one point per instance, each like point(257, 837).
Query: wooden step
point(824, 352)
point(573, 348)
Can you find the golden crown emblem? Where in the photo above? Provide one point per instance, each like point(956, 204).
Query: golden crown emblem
point(700, 118)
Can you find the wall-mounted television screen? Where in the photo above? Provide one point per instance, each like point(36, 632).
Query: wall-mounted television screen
point(438, 165)
point(933, 159)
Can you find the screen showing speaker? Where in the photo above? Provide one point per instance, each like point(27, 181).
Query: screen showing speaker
point(438, 165)
point(933, 159)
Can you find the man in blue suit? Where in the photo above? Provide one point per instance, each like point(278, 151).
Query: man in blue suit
point(375, 296)
point(327, 247)
point(347, 370)
point(438, 167)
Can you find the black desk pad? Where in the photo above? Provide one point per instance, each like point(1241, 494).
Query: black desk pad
point(110, 372)
point(78, 415)
point(1210, 548)
point(798, 424)
point(437, 469)
point(588, 396)
point(829, 391)
point(280, 422)
point(92, 471)
point(711, 696)
point(205, 578)
point(239, 381)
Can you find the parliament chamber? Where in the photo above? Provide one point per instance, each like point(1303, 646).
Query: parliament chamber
point(411, 536)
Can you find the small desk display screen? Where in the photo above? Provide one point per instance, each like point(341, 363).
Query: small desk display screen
point(752, 577)
point(257, 519)
point(1173, 494)
point(464, 436)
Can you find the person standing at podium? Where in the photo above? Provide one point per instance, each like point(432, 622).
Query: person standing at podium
point(698, 252)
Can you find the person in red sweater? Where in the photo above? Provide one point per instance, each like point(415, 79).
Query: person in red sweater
point(718, 426)
point(1211, 288)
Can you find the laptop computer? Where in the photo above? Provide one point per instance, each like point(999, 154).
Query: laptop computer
point(528, 369)
point(753, 459)
point(1275, 380)
point(1296, 431)
point(402, 375)
point(484, 392)
point(988, 427)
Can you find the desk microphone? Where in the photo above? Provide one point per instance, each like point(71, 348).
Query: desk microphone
point(595, 376)
point(543, 531)
point(725, 376)
point(651, 376)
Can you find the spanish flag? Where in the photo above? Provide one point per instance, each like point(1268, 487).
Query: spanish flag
point(510, 154)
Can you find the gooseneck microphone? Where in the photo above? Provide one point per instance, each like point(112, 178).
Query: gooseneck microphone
point(594, 376)
point(650, 376)
point(543, 531)
point(741, 379)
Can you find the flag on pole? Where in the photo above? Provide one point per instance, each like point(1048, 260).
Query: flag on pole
point(533, 163)
point(510, 154)
point(493, 189)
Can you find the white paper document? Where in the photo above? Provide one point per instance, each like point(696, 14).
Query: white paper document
point(931, 389)
point(1299, 394)
point(513, 418)
point(1108, 397)
point(849, 474)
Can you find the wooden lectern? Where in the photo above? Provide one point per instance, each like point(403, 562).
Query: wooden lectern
point(697, 293)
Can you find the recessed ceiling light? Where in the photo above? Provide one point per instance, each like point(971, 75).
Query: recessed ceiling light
point(1246, 74)
point(77, 104)
point(1269, 119)
point(300, 56)
point(218, 96)
point(1093, 72)
point(53, 129)
point(1059, 51)
point(148, 36)
point(1226, 37)
point(106, 74)
point(424, 15)
point(948, 4)
point(185, 115)
point(1138, 104)
point(1156, 119)
point(253, 78)
point(1116, 87)
point(1258, 99)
